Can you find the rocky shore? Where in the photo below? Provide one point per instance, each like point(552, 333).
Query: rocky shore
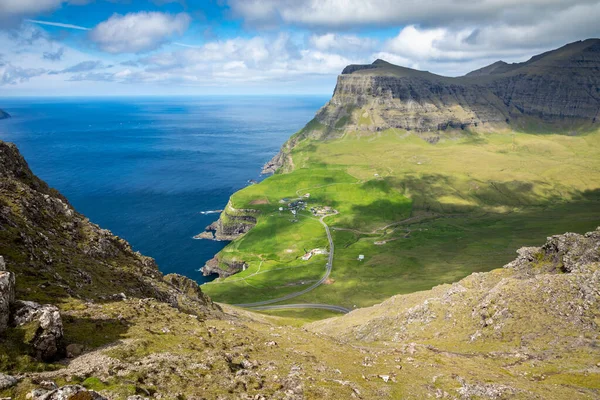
point(232, 224)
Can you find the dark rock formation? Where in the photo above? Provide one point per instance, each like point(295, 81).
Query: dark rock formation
point(4, 114)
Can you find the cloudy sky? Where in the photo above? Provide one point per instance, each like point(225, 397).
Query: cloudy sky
point(163, 47)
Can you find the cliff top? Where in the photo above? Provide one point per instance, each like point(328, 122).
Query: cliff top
point(579, 53)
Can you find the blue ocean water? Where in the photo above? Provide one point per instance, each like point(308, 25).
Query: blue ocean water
point(146, 167)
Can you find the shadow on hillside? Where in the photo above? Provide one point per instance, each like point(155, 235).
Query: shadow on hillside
point(446, 194)
point(93, 332)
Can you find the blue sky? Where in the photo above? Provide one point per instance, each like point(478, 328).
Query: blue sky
point(166, 47)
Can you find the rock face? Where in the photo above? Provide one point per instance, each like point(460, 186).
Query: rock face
point(7, 294)
point(47, 323)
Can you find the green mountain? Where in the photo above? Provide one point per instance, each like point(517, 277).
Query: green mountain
point(432, 178)
point(110, 326)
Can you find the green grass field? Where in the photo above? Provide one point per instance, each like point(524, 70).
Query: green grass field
point(421, 214)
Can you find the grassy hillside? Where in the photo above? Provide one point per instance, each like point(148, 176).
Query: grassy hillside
point(421, 213)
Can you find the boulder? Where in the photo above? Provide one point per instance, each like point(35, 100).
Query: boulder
point(7, 294)
point(47, 339)
point(7, 381)
point(74, 350)
point(70, 392)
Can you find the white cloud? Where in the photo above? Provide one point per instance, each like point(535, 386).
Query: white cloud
point(11, 74)
point(23, 7)
point(351, 13)
point(339, 43)
point(12, 12)
point(138, 32)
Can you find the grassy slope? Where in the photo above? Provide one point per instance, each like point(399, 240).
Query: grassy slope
point(472, 199)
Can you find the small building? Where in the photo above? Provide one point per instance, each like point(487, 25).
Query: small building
point(307, 195)
point(280, 208)
point(361, 257)
point(307, 256)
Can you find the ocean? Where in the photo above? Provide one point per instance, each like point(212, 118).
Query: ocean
point(145, 168)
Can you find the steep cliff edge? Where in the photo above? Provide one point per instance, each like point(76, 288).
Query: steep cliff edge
point(558, 91)
point(57, 254)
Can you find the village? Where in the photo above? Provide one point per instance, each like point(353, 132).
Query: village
point(300, 204)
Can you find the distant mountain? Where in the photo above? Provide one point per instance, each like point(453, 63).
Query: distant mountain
point(4, 114)
point(552, 92)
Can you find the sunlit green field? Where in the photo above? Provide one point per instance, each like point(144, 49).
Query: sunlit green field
point(421, 214)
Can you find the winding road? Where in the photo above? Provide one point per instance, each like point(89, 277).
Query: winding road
point(265, 305)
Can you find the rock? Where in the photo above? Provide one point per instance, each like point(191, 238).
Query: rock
point(70, 392)
point(7, 381)
point(209, 235)
point(7, 294)
point(48, 385)
point(74, 350)
point(47, 340)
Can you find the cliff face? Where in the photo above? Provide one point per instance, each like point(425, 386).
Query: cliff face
point(556, 90)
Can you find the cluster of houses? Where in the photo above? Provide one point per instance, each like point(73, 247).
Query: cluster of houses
point(313, 252)
point(296, 205)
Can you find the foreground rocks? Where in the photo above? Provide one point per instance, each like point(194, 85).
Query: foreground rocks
point(46, 321)
point(71, 392)
point(7, 294)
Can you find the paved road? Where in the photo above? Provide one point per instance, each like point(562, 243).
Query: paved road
point(308, 289)
point(329, 307)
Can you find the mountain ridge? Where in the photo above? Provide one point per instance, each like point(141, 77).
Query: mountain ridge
point(558, 90)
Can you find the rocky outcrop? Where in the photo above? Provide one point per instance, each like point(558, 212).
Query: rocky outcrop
point(191, 297)
point(4, 114)
point(232, 224)
point(222, 268)
point(46, 324)
point(7, 294)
